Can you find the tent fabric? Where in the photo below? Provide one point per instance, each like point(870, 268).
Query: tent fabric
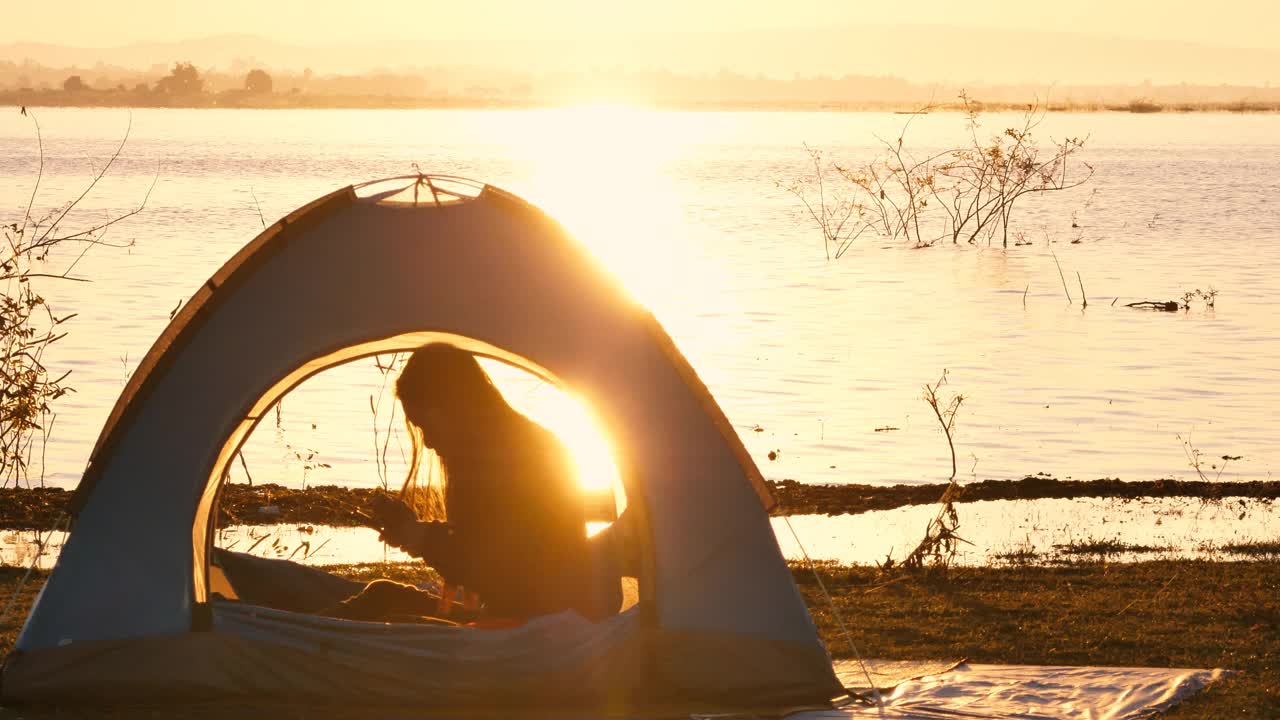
point(259, 652)
point(188, 319)
point(285, 585)
point(1028, 692)
point(560, 661)
point(281, 584)
point(351, 276)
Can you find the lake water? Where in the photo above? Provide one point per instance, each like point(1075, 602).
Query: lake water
point(808, 357)
point(995, 532)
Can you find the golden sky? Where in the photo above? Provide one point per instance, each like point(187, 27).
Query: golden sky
point(1234, 23)
point(1027, 41)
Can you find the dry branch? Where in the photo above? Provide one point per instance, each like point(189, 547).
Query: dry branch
point(28, 325)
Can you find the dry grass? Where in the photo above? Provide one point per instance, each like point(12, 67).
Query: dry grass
point(1188, 614)
point(1254, 548)
point(1162, 614)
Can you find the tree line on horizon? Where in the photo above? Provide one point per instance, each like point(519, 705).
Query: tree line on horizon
point(185, 83)
point(183, 79)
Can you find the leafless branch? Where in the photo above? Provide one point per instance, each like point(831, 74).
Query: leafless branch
point(969, 191)
point(28, 325)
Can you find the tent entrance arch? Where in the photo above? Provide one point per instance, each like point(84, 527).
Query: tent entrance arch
point(404, 343)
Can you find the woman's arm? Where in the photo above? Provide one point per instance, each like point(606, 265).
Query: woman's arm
point(433, 542)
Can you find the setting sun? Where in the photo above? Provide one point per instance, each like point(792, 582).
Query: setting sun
point(608, 172)
point(563, 415)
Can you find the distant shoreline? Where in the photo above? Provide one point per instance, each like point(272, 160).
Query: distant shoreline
point(290, 101)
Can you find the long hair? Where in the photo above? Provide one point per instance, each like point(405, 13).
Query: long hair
point(426, 497)
point(441, 377)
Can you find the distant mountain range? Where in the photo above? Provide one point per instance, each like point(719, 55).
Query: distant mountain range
point(920, 54)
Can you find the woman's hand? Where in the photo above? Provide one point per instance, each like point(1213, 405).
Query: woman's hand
point(397, 522)
point(433, 542)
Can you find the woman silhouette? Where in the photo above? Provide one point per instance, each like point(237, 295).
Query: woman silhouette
point(505, 522)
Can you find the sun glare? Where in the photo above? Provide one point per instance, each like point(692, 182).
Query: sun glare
point(606, 172)
point(563, 415)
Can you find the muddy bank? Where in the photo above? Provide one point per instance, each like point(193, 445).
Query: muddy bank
point(796, 498)
point(268, 504)
point(39, 508)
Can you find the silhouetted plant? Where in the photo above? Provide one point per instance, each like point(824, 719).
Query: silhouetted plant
point(1196, 460)
point(28, 323)
point(940, 542)
point(840, 219)
point(1208, 297)
point(963, 193)
point(387, 366)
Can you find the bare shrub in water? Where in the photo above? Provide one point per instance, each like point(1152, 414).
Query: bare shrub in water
point(840, 219)
point(964, 193)
point(28, 323)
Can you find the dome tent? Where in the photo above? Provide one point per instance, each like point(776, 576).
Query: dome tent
point(127, 613)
